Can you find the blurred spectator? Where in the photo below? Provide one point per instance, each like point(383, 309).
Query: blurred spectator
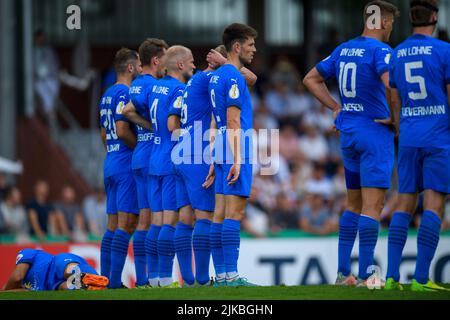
point(256, 222)
point(46, 75)
point(69, 219)
point(40, 211)
point(285, 213)
point(289, 143)
point(316, 217)
point(313, 145)
point(318, 183)
point(94, 208)
point(285, 72)
point(14, 215)
point(278, 99)
point(2, 186)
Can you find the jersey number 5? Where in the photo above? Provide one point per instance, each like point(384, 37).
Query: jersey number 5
point(416, 80)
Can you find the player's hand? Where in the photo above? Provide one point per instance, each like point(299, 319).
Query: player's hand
point(209, 181)
point(234, 174)
point(335, 116)
point(388, 122)
point(215, 59)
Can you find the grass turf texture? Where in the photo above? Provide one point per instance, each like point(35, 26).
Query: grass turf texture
point(258, 293)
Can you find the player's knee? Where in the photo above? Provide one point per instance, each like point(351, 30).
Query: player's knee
point(203, 215)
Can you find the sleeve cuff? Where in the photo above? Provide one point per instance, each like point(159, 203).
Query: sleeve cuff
point(383, 70)
point(321, 71)
point(234, 105)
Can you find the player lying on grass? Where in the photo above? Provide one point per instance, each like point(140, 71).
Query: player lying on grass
point(37, 270)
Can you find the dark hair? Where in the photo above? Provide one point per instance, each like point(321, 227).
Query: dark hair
point(421, 12)
point(385, 8)
point(123, 58)
point(151, 48)
point(237, 32)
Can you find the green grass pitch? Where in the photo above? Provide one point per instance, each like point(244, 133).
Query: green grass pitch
point(255, 293)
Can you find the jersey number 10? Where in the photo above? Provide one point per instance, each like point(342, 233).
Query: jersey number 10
point(347, 70)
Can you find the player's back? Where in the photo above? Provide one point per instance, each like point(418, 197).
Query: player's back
point(118, 157)
point(358, 66)
point(228, 88)
point(39, 262)
point(420, 71)
point(195, 116)
point(139, 92)
point(167, 93)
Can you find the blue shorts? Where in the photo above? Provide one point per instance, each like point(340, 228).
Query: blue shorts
point(121, 194)
point(369, 153)
point(243, 185)
point(58, 266)
point(141, 178)
point(190, 178)
point(162, 193)
point(422, 169)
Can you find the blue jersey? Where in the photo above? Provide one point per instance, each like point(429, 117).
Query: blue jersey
point(420, 71)
point(118, 157)
point(196, 118)
point(165, 99)
point(358, 65)
point(39, 261)
point(227, 88)
point(139, 92)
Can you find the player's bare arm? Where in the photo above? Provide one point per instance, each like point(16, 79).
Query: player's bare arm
point(173, 123)
point(131, 114)
point(389, 121)
point(317, 86)
point(396, 104)
point(103, 135)
point(249, 76)
point(209, 181)
point(15, 280)
point(124, 132)
point(234, 139)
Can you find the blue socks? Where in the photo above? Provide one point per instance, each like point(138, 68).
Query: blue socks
point(140, 261)
point(348, 228)
point(151, 251)
point(231, 240)
point(166, 251)
point(398, 233)
point(183, 249)
point(105, 254)
point(119, 251)
point(427, 242)
point(202, 250)
point(368, 235)
point(215, 240)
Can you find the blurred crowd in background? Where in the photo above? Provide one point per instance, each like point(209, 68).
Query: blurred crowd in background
point(307, 193)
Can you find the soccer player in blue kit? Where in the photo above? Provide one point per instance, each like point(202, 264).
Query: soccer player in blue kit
point(192, 156)
point(37, 270)
point(152, 55)
point(361, 66)
point(420, 82)
point(165, 98)
point(119, 140)
point(230, 99)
